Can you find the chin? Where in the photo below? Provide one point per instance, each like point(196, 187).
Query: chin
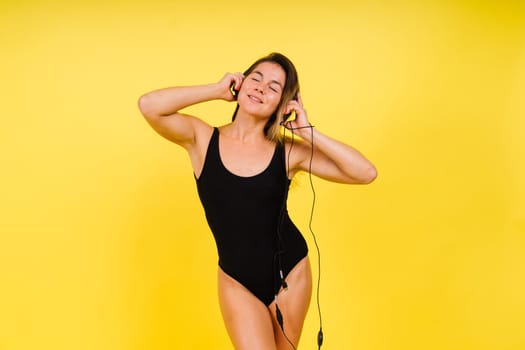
point(260, 113)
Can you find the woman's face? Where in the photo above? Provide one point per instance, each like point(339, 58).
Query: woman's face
point(262, 89)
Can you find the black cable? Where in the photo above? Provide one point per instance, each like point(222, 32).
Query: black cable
point(281, 250)
point(320, 336)
point(280, 320)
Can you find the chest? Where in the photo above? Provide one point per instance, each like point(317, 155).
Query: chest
point(245, 160)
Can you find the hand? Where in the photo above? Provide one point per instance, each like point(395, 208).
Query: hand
point(301, 118)
point(226, 83)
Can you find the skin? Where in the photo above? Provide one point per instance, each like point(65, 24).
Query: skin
point(245, 151)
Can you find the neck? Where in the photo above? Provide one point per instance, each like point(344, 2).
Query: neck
point(246, 128)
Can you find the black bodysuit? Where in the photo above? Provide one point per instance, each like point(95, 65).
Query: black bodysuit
point(244, 215)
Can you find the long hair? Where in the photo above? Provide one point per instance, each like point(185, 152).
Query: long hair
point(290, 90)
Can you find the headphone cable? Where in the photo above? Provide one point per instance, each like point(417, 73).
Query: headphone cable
point(320, 336)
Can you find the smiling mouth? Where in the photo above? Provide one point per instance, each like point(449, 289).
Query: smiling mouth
point(255, 99)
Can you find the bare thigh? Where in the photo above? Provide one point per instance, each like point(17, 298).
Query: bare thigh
point(293, 303)
point(247, 319)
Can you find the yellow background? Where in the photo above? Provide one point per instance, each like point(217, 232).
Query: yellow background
point(104, 245)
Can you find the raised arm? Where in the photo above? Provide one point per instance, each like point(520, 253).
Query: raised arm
point(332, 160)
point(161, 108)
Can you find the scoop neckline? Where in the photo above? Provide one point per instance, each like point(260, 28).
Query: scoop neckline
point(237, 175)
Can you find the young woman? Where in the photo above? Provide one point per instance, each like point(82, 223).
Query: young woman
point(243, 170)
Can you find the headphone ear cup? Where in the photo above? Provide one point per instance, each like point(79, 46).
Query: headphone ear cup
point(288, 115)
point(233, 91)
point(285, 118)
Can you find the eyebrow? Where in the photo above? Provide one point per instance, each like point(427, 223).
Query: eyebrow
point(273, 81)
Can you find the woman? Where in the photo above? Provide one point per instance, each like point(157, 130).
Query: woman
point(243, 170)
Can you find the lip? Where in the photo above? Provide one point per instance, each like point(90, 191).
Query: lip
point(255, 99)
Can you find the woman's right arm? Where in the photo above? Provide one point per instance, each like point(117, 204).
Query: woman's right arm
point(161, 107)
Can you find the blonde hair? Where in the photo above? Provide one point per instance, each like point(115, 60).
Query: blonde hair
point(290, 90)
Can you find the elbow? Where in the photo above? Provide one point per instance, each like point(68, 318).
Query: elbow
point(145, 105)
point(369, 176)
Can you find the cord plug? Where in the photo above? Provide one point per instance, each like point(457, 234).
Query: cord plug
point(283, 282)
point(279, 317)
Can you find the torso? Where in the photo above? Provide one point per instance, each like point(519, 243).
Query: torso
point(246, 212)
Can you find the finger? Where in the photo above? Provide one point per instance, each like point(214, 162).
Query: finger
point(299, 99)
point(239, 77)
point(293, 105)
point(289, 108)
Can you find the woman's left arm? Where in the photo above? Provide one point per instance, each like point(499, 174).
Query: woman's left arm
point(332, 160)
